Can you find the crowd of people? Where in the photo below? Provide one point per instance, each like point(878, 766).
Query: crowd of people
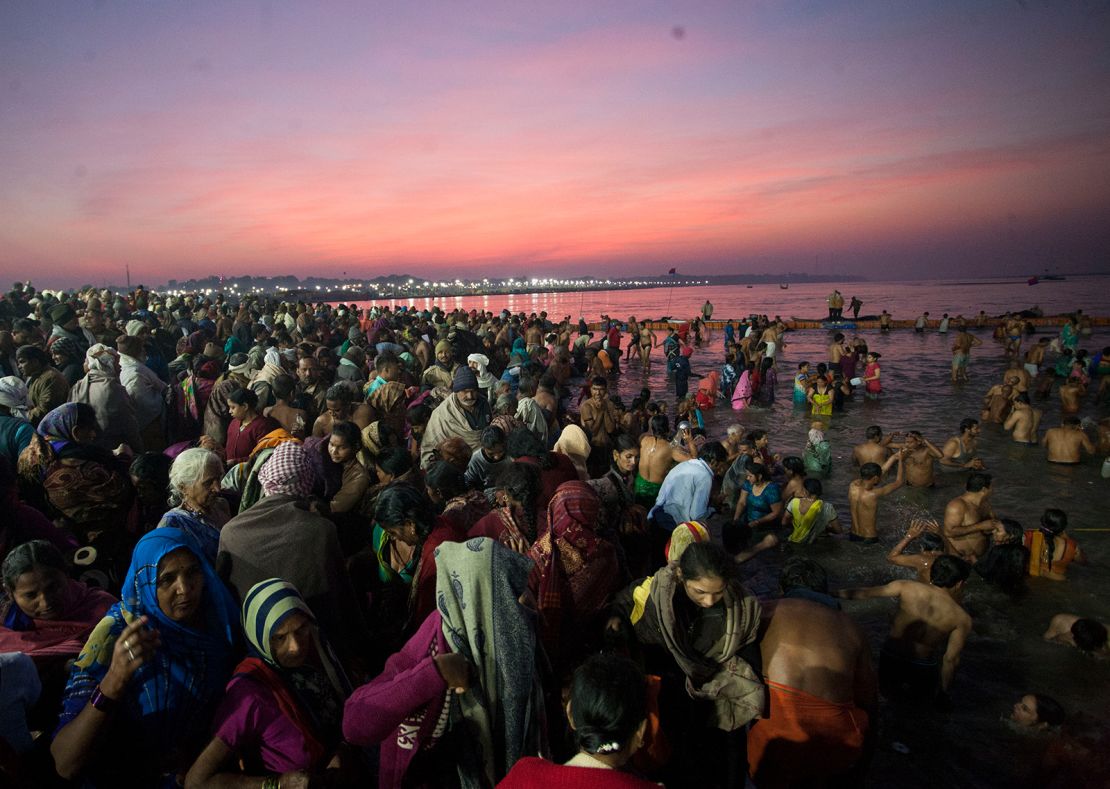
point(278, 544)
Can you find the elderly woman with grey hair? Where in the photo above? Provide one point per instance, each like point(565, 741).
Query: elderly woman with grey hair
point(199, 509)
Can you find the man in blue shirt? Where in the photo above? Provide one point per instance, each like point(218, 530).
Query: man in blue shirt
point(684, 495)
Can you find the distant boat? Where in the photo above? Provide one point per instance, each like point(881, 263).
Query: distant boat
point(1033, 280)
point(784, 287)
point(751, 286)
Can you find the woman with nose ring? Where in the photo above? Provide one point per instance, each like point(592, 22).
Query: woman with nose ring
point(140, 696)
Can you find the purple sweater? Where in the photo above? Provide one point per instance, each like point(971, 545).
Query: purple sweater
point(400, 707)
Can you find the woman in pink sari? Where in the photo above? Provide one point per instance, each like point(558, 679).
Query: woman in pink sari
point(742, 394)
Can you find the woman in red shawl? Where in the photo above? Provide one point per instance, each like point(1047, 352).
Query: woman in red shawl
point(515, 522)
point(46, 615)
point(576, 572)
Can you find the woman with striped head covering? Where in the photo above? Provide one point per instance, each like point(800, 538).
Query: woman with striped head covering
point(284, 703)
point(684, 535)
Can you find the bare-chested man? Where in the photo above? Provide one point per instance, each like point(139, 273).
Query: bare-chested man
point(820, 679)
point(864, 494)
point(1017, 377)
point(929, 619)
point(1104, 430)
point(657, 457)
point(997, 402)
point(1034, 357)
point(533, 336)
point(836, 350)
point(958, 453)
point(1088, 635)
point(1065, 444)
point(962, 344)
point(932, 546)
point(1071, 393)
point(876, 449)
point(1013, 330)
point(337, 408)
point(1024, 421)
point(919, 460)
point(969, 519)
point(293, 419)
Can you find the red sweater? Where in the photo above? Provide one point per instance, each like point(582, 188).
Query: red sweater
point(531, 772)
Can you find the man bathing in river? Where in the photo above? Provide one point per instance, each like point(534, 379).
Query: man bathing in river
point(876, 449)
point(864, 494)
point(969, 519)
point(919, 460)
point(1023, 421)
point(929, 619)
point(823, 697)
point(1065, 444)
point(932, 546)
point(962, 344)
point(958, 453)
point(1088, 635)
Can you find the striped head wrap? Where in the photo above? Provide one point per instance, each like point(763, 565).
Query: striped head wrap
point(266, 606)
point(684, 535)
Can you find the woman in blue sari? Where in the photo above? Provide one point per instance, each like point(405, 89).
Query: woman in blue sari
point(139, 699)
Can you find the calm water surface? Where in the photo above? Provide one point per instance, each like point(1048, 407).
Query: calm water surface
point(1005, 658)
point(904, 300)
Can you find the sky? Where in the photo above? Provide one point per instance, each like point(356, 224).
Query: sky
point(887, 139)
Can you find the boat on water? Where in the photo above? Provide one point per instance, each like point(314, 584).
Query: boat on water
point(784, 287)
point(1046, 277)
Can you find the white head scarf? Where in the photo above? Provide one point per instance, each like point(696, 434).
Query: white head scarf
point(134, 327)
point(13, 394)
point(101, 357)
point(272, 357)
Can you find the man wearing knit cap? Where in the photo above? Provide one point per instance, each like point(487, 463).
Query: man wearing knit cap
point(65, 325)
point(442, 373)
point(465, 414)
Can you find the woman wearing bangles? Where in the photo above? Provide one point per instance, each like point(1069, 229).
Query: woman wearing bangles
point(140, 696)
point(284, 704)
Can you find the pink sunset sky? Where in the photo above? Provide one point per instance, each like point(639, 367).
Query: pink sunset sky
point(892, 139)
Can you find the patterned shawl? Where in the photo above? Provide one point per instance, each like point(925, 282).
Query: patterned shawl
point(478, 585)
point(577, 570)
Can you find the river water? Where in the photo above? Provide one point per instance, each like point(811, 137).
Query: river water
point(904, 300)
point(1005, 658)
